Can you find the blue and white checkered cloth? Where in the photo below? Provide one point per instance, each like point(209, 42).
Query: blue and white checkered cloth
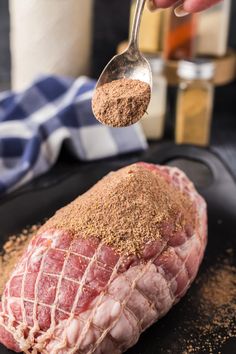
point(35, 123)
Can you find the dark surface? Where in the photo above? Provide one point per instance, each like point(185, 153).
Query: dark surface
point(33, 204)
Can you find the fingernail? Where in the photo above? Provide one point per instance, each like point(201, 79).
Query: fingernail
point(151, 6)
point(180, 11)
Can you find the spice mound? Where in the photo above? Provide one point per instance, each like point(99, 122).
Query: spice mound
point(127, 209)
point(122, 102)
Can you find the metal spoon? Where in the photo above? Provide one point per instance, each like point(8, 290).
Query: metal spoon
point(130, 64)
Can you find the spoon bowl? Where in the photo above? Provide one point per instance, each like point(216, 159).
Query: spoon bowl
point(131, 64)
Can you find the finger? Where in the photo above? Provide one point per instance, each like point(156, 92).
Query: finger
point(198, 5)
point(188, 6)
point(163, 3)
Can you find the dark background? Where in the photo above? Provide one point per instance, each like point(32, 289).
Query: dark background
point(111, 19)
point(110, 26)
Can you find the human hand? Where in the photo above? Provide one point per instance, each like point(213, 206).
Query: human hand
point(183, 7)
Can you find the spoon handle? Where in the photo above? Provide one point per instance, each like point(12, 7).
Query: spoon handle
point(136, 23)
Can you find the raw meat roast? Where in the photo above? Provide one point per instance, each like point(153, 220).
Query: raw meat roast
point(107, 266)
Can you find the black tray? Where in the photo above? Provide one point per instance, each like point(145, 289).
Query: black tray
point(213, 180)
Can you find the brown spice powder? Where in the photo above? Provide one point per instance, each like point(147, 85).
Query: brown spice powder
point(13, 250)
point(214, 290)
point(126, 209)
point(121, 102)
point(215, 301)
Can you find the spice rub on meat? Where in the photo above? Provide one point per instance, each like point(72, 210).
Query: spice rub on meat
point(128, 209)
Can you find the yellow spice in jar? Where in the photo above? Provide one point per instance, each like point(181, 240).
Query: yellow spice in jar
point(194, 109)
point(194, 102)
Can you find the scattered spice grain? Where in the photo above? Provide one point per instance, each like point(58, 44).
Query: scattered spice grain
point(213, 302)
point(126, 209)
point(13, 250)
point(122, 102)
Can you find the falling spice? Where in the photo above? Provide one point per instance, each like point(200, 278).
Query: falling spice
point(120, 103)
point(13, 250)
point(126, 209)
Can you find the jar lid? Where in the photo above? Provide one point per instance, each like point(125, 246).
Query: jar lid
point(198, 69)
point(156, 63)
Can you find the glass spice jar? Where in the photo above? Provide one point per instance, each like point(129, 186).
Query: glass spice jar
point(194, 102)
point(153, 122)
point(179, 35)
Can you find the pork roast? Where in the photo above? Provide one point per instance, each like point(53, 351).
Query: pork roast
point(107, 266)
